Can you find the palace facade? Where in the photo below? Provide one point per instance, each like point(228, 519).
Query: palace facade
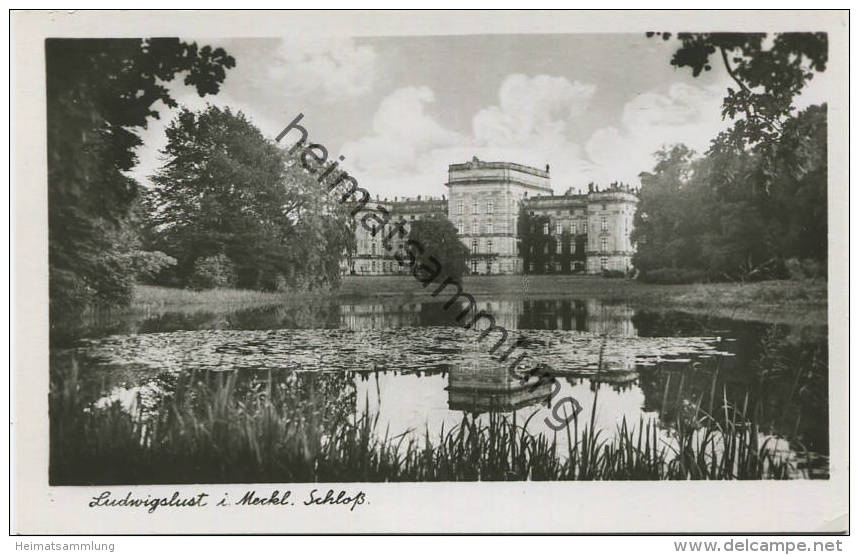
point(498, 208)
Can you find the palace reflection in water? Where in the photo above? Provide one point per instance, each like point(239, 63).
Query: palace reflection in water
point(593, 315)
point(643, 372)
point(409, 363)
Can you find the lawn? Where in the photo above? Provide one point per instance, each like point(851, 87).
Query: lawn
point(150, 297)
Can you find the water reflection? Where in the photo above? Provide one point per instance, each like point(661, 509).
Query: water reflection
point(409, 363)
point(480, 385)
point(592, 315)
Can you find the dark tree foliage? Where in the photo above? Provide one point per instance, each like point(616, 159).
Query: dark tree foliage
point(539, 250)
point(660, 218)
point(98, 92)
point(535, 246)
point(720, 215)
point(226, 191)
point(438, 239)
point(757, 199)
point(767, 75)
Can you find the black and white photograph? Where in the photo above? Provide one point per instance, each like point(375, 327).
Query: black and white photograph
point(389, 258)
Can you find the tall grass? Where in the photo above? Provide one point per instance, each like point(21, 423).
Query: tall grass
point(154, 297)
point(208, 432)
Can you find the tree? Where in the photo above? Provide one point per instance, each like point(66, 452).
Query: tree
point(757, 199)
point(767, 76)
point(799, 202)
point(661, 211)
point(715, 215)
point(98, 92)
point(227, 194)
point(438, 239)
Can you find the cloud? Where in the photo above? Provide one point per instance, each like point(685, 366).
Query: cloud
point(534, 123)
point(408, 151)
point(337, 69)
point(531, 111)
point(403, 141)
point(685, 114)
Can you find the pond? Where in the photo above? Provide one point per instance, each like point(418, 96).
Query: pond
point(409, 365)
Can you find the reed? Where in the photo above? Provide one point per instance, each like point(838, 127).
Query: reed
point(208, 432)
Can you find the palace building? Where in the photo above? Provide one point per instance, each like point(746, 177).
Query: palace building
point(371, 257)
point(504, 213)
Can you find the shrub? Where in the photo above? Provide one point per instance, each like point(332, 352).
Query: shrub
point(673, 276)
point(613, 273)
point(213, 271)
point(148, 264)
point(794, 268)
point(114, 283)
point(814, 269)
point(805, 269)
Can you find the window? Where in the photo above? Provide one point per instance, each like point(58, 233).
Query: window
point(546, 228)
point(373, 247)
point(412, 217)
point(474, 207)
point(603, 263)
point(460, 228)
point(474, 226)
point(490, 206)
point(558, 247)
point(603, 244)
point(490, 227)
point(460, 208)
point(489, 246)
point(557, 266)
point(474, 266)
point(475, 246)
point(559, 228)
point(573, 228)
point(373, 265)
point(603, 223)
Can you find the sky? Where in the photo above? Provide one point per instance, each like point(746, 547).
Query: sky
point(595, 107)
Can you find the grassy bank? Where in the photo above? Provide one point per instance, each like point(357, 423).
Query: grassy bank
point(791, 302)
point(784, 302)
point(153, 297)
point(208, 433)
